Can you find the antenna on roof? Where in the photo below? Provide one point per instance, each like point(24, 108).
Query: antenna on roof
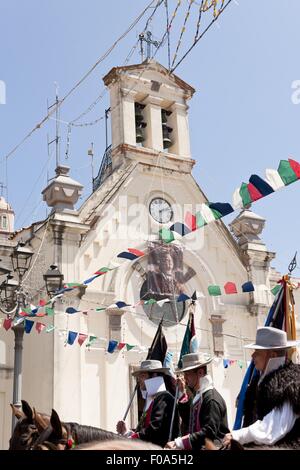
point(57, 136)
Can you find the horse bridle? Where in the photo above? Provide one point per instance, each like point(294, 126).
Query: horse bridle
point(68, 442)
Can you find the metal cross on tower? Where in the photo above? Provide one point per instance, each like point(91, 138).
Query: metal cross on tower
point(148, 40)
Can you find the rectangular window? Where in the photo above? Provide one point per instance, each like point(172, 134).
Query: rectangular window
point(4, 222)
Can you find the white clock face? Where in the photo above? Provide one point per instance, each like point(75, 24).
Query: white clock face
point(161, 210)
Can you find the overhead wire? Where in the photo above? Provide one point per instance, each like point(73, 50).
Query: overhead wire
point(87, 74)
point(182, 31)
point(201, 36)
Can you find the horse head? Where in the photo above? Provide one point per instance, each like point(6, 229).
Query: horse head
point(55, 436)
point(30, 424)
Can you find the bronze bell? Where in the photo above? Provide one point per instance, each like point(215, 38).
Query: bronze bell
point(167, 142)
point(139, 123)
point(139, 135)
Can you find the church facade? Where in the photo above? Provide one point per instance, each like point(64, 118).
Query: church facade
point(145, 184)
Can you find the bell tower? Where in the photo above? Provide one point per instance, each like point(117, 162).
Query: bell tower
point(149, 116)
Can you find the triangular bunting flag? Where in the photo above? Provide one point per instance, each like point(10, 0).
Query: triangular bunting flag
point(72, 335)
point(71, 310)
point(121, 346)
point(261, 185)
point(248, 287)
point(50, 328)
point(112, 344)
point(28, 325)
point(214, 290)
point(295, 167)
point(200, 220)
point(286, 172)
point(136, 252)
point(39, 327)
point(121, 304)
point(127, 255)
point(255, 195)
point(49, 311)
point(223, 208)
point(244, 193)
point(166, 235)
point(230, 288)
point(180, 228)
point(129, 346)
point(276, 289)
point(81, 338)
point(191, 221)
point(182, 298)
point(7, 323)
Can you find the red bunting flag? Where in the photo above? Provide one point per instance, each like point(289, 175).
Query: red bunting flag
point(191, 221)
point(7, 323)
point(81, 338)
point(254, 193)
point(42, 302)
point(121, 346)
point(295, 167)
point(136, 252)
point(230, 288)
point(39, 327)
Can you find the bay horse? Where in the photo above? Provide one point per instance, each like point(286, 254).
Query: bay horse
point(34, 430)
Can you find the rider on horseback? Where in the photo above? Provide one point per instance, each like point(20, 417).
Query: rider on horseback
point(201, 407)
point(272, 403)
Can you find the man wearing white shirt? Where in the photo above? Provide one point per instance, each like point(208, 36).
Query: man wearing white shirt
point(272, 404)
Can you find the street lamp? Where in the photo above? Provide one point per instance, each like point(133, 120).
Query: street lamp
point(53, 280)
point(13, 299)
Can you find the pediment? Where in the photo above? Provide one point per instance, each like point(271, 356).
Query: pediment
point(152, 71)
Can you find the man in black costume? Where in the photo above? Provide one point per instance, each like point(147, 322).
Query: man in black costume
point(201, 407)
point(272, 402)
point(154, 425)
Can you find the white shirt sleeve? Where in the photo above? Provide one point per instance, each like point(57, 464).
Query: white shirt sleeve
point(270, 429)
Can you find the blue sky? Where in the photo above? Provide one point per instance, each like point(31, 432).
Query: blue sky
point(242, 118)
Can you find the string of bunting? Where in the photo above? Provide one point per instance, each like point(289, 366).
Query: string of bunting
point(288, 172)
point(213, 290)
point(72, 336)
point(257, 188)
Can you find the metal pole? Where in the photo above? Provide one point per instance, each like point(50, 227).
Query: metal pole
point(173, 412)
point(17, 383)
point(130, 402)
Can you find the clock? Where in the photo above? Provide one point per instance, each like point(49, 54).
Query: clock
point(161, 210)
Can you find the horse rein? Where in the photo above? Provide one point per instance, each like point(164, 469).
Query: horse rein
point(69, 442)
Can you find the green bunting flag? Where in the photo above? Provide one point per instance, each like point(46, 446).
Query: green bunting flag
point(150, 302)
point(166, 235)
point(276, 289)
point(49, 311)
point(214, 290)
point(129, 346)
point(200, 222)
point(50, 328)
point(91, 340)
point(245, 195)
point(286, 172)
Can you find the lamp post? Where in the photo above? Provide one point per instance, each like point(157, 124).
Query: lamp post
point(13, 299)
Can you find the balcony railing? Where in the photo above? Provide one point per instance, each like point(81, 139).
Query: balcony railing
point(105, 169)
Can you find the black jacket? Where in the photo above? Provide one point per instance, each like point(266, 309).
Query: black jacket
point(212, 417)
point(281, 385)
point(158, 429)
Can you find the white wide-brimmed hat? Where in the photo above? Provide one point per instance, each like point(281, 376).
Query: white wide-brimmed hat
point(194, 361)
point(151, 365)
point(268, 337)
